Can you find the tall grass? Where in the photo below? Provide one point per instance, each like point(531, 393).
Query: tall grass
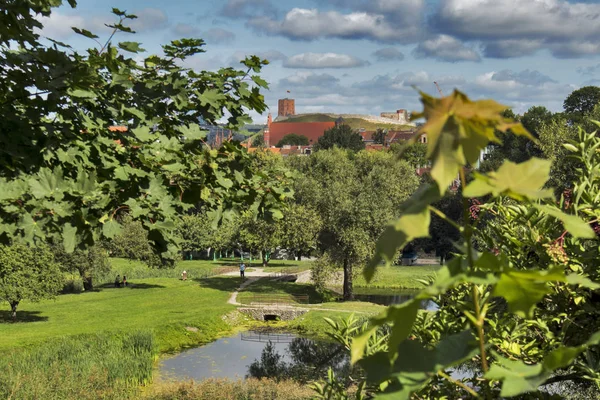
point(223, 389)
point(107, 366)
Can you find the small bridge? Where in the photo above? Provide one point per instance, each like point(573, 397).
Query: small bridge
point(273, 307)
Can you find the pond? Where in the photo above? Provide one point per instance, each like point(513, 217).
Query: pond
point(257, 354)
point(388, 297)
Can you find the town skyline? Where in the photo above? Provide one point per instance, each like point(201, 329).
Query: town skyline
point(364, 57)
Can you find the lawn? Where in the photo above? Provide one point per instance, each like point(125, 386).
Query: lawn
point(399, 277)
point(279, 291)
point(165, 305)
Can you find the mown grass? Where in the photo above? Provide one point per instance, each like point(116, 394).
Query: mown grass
point(282, 290)
point(399, 277)
point(164, 305)
point(95, 366)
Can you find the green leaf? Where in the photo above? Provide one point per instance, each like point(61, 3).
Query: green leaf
point(573, 224)
point(407, 228)
point(83, 94)
point(132, 47)
point(524, 180)
point(524, 289)
point(111, 228)
point(403, 318)
point(192, 132)
point(84, 32)
point(69, 237)
point(584, 281)
point(516, 376)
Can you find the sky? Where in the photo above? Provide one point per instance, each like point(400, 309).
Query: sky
point(371, 56)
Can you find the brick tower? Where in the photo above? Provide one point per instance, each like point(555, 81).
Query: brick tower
point(287, 107)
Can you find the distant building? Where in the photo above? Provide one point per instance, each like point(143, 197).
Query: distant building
point(286, 108)
point(400, 116)
point(312, 130)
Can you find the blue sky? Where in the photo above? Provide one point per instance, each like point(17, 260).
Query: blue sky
point(364, 56)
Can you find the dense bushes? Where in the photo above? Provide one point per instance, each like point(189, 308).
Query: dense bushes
point(132, 243)
point(82, 367)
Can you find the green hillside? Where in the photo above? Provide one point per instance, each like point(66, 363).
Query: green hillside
point(355, 123)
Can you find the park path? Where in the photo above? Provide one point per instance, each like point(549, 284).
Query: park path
point(251, 276)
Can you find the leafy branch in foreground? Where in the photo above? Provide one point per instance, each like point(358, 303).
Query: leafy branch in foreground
point(86, 138)
point(515, 303)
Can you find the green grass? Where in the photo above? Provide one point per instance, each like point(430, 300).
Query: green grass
point(354, 123)
point(399, 277)
point(79, 367)
point(164, 305)
point(283, 290)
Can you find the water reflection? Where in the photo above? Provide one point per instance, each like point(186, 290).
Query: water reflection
point(386, 298)
point(258, 354)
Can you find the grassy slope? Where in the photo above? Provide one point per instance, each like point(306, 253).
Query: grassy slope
point(398, 277)
point(355, 123)
point(165, 305)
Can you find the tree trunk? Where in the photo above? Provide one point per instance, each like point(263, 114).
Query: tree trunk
point(13, 308)
point(348, 292)
point(88, 283)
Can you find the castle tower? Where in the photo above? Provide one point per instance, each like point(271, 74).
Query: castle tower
point(267, 138)
point(269, 121)
point(286, 107)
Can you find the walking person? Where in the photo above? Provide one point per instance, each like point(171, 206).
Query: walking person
point(124, 281)
point(242, 269)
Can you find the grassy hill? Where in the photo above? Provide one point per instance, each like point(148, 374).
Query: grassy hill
point(355, 123)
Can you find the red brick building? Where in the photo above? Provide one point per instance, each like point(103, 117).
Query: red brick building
point(312, 130)
point(286, 107)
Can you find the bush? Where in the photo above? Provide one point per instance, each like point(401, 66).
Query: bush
point(73, 286)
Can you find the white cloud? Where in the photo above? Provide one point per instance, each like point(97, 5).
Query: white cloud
point(323, 60)
point(567, 29)
point(445, 48)
point(312, 24)
point(58, 26)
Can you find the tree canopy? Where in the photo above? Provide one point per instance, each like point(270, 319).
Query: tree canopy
point(355, 196)
point(28, 273)
point(86, 137)
point(293, 139)
point(582, 101)
point(342, 136)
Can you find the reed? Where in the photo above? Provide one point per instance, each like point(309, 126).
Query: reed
point(107, 366)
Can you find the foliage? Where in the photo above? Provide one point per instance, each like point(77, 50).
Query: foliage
point(564, 169)
point(258, 235)
point(293, 139)
point(101, 133)
point(132, 242)
point(415, 153)
point(379, 136)
point(521, 304)
point(534, 118)
point(258, 141)
point(355, 195)
point(581, 102)
point(90, 264)
point(28, 273)
point(341, 136)
point(194, 231)
point(96, 366)
point(300, 229)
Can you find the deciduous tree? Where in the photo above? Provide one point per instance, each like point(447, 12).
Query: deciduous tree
point(342, 136)
point(293, 139)
point(28, 273)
